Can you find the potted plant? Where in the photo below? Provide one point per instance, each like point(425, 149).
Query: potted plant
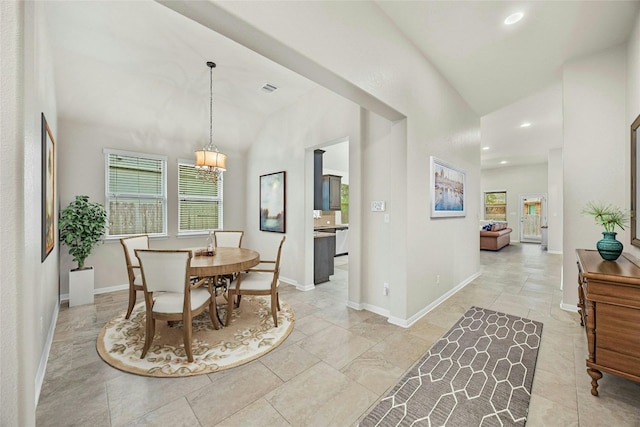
point(609, 217)
point(81, 225)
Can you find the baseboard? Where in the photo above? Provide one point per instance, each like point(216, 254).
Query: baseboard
point(569, 307)
point(555, 252)
point(44, 358)
point(369, 307)
point(298, 286)
point(65, 297)
point(406, 323)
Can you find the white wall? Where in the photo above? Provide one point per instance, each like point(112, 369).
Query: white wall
point(515, 180)
point(29, 293)
point(81, 172)
point(438, 123)
point(596, 147)
point(556, 202)
point(633, 107)
point(282, 145)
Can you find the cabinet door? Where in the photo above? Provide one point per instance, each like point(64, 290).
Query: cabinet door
point(334, 191)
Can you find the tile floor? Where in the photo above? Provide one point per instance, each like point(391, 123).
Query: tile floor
point(336, 363)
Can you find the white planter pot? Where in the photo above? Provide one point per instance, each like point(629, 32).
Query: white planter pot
point(81, 287)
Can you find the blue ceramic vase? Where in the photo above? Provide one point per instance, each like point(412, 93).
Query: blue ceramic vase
point(609, 248)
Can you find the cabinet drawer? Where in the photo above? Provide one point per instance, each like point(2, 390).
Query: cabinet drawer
point(618, 361)
point(618, 329)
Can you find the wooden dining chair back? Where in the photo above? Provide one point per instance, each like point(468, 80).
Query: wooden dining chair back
point(169, 294)
point(228, 238)
point(264, 279)
point(129, 245)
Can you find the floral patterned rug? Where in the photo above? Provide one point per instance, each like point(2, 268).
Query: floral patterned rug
point(250, 335)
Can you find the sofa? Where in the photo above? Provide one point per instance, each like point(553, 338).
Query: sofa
point(494, 237)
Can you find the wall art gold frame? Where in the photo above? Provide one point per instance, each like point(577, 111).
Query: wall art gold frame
point(48, 190)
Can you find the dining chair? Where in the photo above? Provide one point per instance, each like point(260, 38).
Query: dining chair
point(257, 281)
point(170, 295)
point(228, 238)
point(130, 244)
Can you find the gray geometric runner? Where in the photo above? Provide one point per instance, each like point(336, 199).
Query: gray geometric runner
point(478, 374)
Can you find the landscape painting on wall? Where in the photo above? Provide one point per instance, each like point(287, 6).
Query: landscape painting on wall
point(272, 202)
point(48, 190)
point(447, 190)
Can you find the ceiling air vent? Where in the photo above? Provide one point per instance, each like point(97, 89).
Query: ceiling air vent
point(269, 88)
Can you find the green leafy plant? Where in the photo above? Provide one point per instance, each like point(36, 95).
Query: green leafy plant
point(607, 215)
point(82, 225)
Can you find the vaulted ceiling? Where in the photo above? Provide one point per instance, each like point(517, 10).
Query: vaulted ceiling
point(135, 64)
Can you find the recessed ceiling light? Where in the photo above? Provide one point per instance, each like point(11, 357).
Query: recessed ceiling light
point(485, 148)
point(525, 125)
point(504, 162)
point(513, 18)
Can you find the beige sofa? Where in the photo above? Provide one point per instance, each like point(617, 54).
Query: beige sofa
point(496, 239)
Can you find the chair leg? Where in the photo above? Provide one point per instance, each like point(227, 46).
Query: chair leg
point(150, 332)
point(132, 301)
point(187, 338)
point(238, 301)
point(213, 312)
point(278, 300)
point(274, 313)
point(230, 304)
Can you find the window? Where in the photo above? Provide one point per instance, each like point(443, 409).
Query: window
point(199, 201)
point(136, 193)
point(495, 205)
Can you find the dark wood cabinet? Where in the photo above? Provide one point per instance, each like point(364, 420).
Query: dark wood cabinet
point(609, 308)
point(324, 249)
point(317, 179)
point(331, 192)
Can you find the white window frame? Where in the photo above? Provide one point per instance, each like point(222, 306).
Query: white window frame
point(219, 199)
point(162, 198)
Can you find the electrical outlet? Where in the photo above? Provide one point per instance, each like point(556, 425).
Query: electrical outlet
point(437, 279)
point(385, 289)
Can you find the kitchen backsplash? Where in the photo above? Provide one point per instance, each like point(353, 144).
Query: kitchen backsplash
point(326, 218)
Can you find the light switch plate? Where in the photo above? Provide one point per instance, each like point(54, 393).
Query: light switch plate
point(378, 206)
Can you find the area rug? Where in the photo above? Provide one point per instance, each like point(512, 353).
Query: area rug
point(250, 335)
point(478, 374)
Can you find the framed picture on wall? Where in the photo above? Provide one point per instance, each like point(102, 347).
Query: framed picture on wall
point(48, 190)
point(447, 190)
point(273, 202)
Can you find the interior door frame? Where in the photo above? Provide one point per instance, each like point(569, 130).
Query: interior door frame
point(543, 215)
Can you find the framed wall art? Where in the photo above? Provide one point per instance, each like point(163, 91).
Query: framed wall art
point(447, 190)
point(48, 190)
point(273, 202)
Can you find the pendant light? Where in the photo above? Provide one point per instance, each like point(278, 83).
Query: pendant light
point(210, 162)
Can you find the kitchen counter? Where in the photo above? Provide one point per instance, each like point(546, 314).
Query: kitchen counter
point(320, 234)
point(331, 227)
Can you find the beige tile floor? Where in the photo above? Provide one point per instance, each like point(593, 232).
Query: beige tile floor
point(336, 363)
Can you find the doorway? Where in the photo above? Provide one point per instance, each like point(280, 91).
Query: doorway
point(533, 216)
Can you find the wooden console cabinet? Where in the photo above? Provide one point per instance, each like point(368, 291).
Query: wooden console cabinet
point(609, 306)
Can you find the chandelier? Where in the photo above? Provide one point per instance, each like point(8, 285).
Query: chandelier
point(210, 162)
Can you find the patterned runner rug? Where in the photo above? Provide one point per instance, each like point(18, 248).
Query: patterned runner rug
point(249, 335)
point(478, 374)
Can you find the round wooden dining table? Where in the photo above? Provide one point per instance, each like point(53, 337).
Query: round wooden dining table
point(225, 261)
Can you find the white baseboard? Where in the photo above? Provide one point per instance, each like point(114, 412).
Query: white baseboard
point(44, 358)
point(569, 307)
point(298, 286)
point(369, 307)
point(65, 297)
point(555, 252)
point(406, 323)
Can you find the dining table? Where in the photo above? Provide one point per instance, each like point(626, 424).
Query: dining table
point(226, 261)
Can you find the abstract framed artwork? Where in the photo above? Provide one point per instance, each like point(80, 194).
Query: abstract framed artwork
point(273, 202)
point(48, 190)
point(447, 190)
